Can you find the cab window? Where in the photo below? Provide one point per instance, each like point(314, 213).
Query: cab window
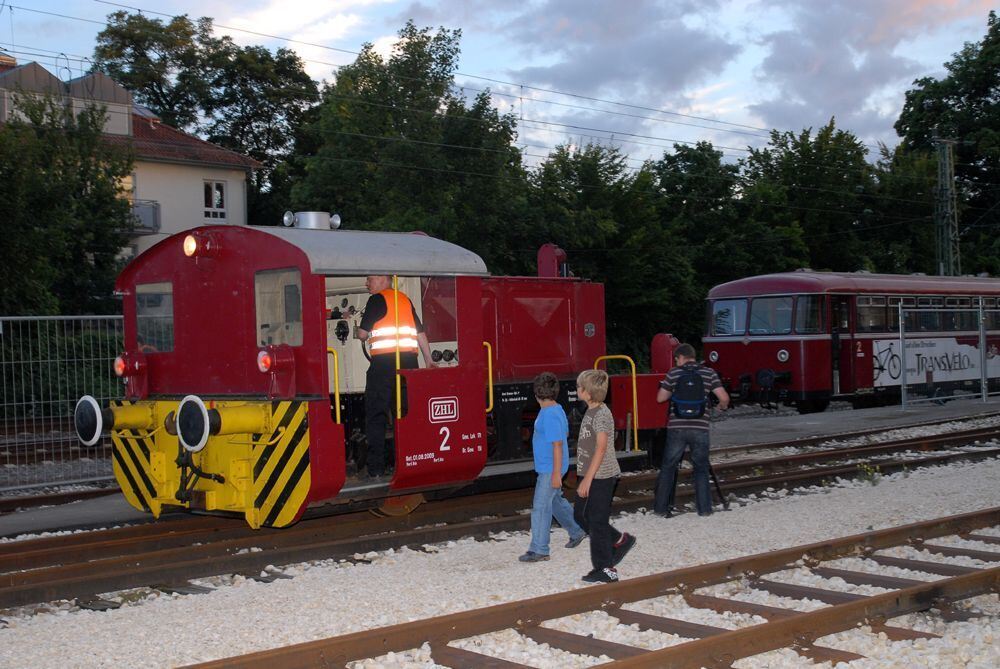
point(154, 317)
point(809, 314)
point(771, 315)
point(278, 298)
point(729, 317)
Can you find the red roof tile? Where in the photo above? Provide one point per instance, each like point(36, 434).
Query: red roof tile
point(153, 140)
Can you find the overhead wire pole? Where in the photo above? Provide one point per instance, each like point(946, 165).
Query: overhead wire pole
point(948, 252)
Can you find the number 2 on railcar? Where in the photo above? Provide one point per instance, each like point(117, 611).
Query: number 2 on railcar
point(805, 338)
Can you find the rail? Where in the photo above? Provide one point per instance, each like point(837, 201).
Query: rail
point(635, 395)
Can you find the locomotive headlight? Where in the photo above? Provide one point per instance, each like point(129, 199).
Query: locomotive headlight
point(265, 361)
point(190, 245)
point(783, 355)
point(119, 366)
point(200, 245)
point(713, 356)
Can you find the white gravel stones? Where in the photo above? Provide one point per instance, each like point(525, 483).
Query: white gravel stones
point(328, 598)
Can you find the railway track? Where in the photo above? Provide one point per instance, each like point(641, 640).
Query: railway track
point(168, 554)
point(453, 638)
point(719, 455)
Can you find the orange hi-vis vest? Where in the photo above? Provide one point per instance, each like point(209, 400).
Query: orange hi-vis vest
point(387, 331)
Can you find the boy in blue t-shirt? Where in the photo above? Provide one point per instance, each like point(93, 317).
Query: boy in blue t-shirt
point(551, 452)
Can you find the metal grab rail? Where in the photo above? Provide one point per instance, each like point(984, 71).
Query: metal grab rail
point(489, 372)
point(395, 315)
point(336, 381)
point(635, 395)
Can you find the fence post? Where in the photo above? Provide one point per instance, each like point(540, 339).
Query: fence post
point(983, 375)
point(902, 354)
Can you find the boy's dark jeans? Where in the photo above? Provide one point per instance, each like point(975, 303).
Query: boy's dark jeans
point(593, 514)
point(678, 440)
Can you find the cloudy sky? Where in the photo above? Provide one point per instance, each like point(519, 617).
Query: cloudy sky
point(640, 74)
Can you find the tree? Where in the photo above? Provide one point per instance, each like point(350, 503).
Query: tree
point(63, 214)
point(255, 105)
point(397, 149)
point(814, 189)
point(965, 106)
point(165, 66)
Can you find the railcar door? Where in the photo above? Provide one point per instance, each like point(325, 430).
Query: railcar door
point(842, 343)
point(442, 436)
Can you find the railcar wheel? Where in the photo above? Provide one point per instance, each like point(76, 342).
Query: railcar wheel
point(812, 406)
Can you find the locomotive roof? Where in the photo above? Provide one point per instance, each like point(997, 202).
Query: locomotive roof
point(855, 282)
point(361, 253)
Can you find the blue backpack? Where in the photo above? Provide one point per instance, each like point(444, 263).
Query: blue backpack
point(689, 399)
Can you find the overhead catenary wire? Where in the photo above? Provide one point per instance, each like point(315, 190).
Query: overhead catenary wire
point(147, 11)
point(615, 135)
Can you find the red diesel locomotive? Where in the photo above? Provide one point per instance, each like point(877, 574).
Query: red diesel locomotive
point(804, 338)
point(244, 388)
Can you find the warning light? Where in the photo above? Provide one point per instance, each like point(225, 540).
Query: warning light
point(265, 361)
point(119, 366)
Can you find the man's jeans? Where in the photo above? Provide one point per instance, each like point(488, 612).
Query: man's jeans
point(678, 440)
point(548, 503)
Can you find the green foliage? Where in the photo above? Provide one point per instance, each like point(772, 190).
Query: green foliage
point(256, 102)
point(815, 190)
point(396, 149)
point(63, 217)
point(965, 106)
point(166, 66)
point(870, 473)
point(51, 365)
point(243, 98)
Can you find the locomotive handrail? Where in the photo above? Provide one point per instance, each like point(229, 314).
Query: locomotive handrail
point(635, 395)
point(336, 380)
point(489, 372)
point(399, 378)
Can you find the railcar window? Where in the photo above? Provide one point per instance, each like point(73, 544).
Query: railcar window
point(809, 314)
point(871, 313)
point(771, 315)
point(729, 317)
point(908, 303)
point(278, 297)
point(929, 321)
point(154, 317)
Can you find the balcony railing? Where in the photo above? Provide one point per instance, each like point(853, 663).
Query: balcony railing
point(147, 216)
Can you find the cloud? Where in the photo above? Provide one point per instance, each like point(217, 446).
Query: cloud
point(839, 58)
point(592, 45)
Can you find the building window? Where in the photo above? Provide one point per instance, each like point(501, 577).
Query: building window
point(215, 199)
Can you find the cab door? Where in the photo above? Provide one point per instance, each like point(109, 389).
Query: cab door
point(842, 344)
point(442, 436)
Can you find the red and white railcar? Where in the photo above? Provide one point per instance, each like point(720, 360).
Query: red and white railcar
point(804, 338)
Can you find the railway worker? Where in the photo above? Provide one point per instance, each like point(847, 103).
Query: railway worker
point(598, 471)
point(688, 428)
point(381, 330)
point(550, 448)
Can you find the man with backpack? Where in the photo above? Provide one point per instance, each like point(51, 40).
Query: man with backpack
point(689, 385)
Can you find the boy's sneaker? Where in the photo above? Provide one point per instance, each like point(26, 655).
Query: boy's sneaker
point(573, 543)
point(606, 575)
point(622, 547)
point(533, 557)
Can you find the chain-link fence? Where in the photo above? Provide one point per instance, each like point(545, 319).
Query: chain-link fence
point(941, 354)
point(46, 364)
